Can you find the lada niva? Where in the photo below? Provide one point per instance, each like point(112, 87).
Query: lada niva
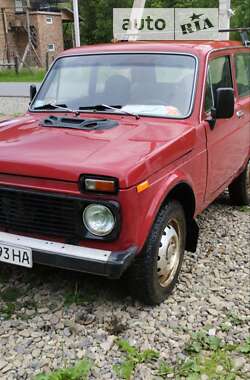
point(122, 146)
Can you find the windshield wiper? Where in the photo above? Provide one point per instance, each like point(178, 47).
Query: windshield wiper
point(103, 107)
point(54, 106)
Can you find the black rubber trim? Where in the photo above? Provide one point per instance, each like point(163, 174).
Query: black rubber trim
point(113, 268)
point(79, 204)
point(77, 123)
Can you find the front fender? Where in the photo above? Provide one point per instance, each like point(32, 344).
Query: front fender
point(151, 200)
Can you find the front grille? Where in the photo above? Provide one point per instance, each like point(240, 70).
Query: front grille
point(40, 213)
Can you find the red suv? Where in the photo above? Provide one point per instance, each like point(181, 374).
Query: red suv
point(122, 146)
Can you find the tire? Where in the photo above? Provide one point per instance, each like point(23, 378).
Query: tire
point(151, 278)
point(240, 188)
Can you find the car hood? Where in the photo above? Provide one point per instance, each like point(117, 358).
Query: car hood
point(131, 151)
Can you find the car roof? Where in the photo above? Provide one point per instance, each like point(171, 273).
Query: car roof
point(192, 47)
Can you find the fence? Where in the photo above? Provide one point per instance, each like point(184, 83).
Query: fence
point(10, 65)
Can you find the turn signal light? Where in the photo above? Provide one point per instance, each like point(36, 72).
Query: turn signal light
point(100, 185)
point(142, 186)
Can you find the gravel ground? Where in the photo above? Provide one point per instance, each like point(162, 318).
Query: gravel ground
point(13, 106)
point(51, 318)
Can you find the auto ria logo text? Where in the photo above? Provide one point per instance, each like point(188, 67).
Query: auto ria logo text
point(166, 23)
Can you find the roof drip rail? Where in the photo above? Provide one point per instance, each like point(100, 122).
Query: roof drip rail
point(243, 33)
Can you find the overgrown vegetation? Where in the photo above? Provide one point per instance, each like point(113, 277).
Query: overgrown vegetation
point(79, 296)
point(132, 358)
point(11, 303)
point(209, 356)
point(25, 75)
point(205, 355)
point(80, 371)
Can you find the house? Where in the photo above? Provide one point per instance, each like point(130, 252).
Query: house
point(46, 19)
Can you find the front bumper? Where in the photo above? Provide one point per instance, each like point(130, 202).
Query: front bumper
point(82, 259)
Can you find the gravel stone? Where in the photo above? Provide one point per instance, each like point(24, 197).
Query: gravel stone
point(214, 285)
point(13, 105)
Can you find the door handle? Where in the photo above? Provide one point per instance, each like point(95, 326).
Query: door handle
point(240, 114)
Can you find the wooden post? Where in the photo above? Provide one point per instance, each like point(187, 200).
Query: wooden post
point(28, 21)
point(5, 31)
point(47, 61)
point(30, 47)
point(16, 64)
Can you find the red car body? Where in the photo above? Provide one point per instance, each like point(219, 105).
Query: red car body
point(183, 157)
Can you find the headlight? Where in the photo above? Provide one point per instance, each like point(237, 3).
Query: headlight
point(98, 220)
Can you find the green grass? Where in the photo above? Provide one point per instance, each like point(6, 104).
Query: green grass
point(79, 296)
point(133, 356)
point(7, 311)
point(80, 371)
point(244, 209)
point(10, 294)
point(24, 75)
point(207, 356)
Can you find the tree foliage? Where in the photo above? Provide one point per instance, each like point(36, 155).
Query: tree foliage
point(97, 25)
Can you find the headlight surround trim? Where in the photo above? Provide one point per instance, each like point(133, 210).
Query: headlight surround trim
point(115, 208)
point(96, 208)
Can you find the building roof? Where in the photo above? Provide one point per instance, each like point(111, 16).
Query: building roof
point(68, 15)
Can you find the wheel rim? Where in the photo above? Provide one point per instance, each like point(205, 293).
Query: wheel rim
point(169, 254)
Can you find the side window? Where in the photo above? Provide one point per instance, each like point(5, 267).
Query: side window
point(218, 76)
point(242, 62)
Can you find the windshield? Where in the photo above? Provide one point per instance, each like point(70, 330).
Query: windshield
point(145, 84)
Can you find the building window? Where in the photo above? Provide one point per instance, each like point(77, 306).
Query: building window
point(51, 47)
point(19, 5)
point(49, 20)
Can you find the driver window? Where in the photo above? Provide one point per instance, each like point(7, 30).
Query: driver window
point(218, 76)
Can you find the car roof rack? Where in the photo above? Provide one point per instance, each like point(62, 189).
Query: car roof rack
point(243, 33)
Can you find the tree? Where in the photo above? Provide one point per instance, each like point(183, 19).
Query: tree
point(97, 25)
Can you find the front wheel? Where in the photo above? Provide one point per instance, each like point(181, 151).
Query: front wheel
point(240, 188)
point(155, 271)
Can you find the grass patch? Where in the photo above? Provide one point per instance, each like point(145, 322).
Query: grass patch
point(209, 356)
point(23, 76)
point(80, 371)
point(244, 208)
point(216, 365)
point(10, 297)
point(10, 294)
point(202, 341)
point(78, 297)
point(235, 319)
point(7, 311)
point(133, 356)
point(244, 348)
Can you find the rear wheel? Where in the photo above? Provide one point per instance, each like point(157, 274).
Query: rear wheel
point(155, 271)
point(239, 190)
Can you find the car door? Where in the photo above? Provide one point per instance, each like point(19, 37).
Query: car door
point(226, 142)
point(242, 77)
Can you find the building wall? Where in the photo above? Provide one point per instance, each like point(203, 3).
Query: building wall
point(47, 33)
point(7, 3)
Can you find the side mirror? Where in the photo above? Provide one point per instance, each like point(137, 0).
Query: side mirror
point(32, 92)
point(224, 105)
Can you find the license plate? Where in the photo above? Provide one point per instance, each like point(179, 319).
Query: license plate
point(16, 255)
